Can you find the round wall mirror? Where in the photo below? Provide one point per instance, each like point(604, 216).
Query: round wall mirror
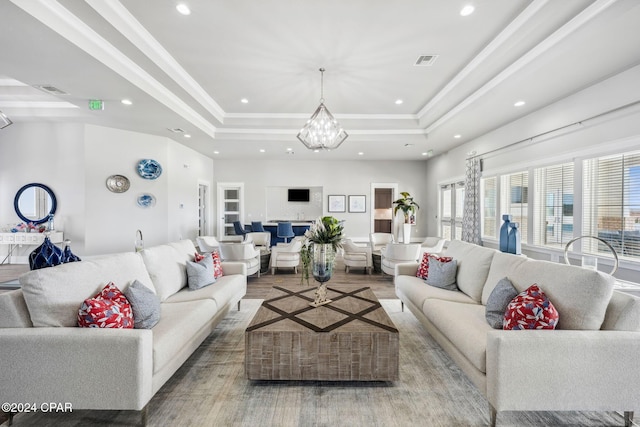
point(34, 203)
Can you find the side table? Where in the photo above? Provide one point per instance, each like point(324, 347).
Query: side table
point(265, 258)
point(377, 261)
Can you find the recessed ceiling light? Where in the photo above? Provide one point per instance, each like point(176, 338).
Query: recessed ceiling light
point(457, 136)
point(316, 151)
point(186, 135)
point(216, 152)
point(467, 10)
point(262, 150)
point(244, 100)
point(399, 101)
point(126, 102)
point(428, 153)
point(360, 153)
point(183, 9)
point(519, 104)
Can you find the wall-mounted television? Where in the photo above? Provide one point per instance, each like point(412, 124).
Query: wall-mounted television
point(298, 195)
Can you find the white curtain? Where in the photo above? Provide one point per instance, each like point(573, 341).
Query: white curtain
point(471, 214)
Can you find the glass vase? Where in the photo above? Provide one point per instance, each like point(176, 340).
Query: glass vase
point(322, 268)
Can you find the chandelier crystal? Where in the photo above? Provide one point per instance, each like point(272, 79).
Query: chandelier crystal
point(322, 131)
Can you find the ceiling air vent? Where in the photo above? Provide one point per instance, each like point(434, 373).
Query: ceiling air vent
point(51, 89)
point(425, 60)
point(176, 130)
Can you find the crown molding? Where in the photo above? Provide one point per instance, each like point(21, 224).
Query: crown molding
point(62, 21)
point(570, 27)
point(123, 21)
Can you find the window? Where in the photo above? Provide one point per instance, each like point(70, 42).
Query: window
point(514, 200)
point(553, 205)
point(452, 208)
point(611, 203)
point(489, 197)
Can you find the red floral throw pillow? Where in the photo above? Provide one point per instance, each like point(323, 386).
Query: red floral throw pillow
point(108, 309)
point(531, 309)
point(217, 265)
point(423, 270)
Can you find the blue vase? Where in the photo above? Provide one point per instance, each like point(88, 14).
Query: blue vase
point(514, 246)
point(45, 255)
point(504, 233)
point(67, 255)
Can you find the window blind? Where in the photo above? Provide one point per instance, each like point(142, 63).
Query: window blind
point(553, 205)
point(489, 197)
point(514, 200)
point(611, 204)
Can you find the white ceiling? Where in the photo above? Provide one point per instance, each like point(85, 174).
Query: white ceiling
point(191, 72)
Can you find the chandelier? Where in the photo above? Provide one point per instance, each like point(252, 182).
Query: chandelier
point(322, 131)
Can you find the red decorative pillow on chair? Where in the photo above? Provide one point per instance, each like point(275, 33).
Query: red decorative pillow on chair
point(531, 309)
point(217, 265)
point(423, 270)
point(108, 309)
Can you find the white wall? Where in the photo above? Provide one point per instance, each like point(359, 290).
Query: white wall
point(50, 154)
point(335, 177)
point(75, 161)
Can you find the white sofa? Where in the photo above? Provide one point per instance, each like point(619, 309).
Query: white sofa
point(590, 362)
point(44, 357)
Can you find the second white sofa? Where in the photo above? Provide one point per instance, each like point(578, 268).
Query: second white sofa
point(590, 362)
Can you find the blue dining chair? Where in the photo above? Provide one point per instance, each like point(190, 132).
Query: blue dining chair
point(257, 226)
point(285, 230)
point(238, 228)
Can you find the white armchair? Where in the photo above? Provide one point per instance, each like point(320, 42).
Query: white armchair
point(286, 255)
point(380, 240)
point(241, 252)
point(398, 253)
point(207, 243)
point(432, 245)
point(260, 239)
point(356, 256)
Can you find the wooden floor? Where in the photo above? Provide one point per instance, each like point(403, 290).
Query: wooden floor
point(381, 284)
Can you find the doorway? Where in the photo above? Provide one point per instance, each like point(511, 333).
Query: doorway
point(230, 208)
point(382, 197)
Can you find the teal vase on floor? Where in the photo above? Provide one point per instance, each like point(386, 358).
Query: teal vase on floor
point(514, 246)
point(504, 233)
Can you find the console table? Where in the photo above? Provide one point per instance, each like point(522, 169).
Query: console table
point(22, 238)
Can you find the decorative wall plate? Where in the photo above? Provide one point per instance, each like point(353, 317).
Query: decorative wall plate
point(118, 183)
point(146, 200)
point(149, 169)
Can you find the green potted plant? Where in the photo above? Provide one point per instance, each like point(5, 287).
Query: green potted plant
point(408, 206)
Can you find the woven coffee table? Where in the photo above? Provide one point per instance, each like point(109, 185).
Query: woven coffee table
point(350, 339)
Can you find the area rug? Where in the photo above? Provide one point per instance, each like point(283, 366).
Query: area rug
point(210, 389)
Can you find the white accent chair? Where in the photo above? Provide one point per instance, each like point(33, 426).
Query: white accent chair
point(242, 252)
point(260, 239)
point(432, 245)
point(380, 240)
point(286, 254)
point(356, 256)
point(207, 243)
point(398, 253)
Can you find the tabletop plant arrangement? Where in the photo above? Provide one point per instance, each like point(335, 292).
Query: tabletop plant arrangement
point(323, 238)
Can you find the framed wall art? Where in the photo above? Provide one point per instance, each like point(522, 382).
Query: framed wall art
point(357, 203)
point(337, 203)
